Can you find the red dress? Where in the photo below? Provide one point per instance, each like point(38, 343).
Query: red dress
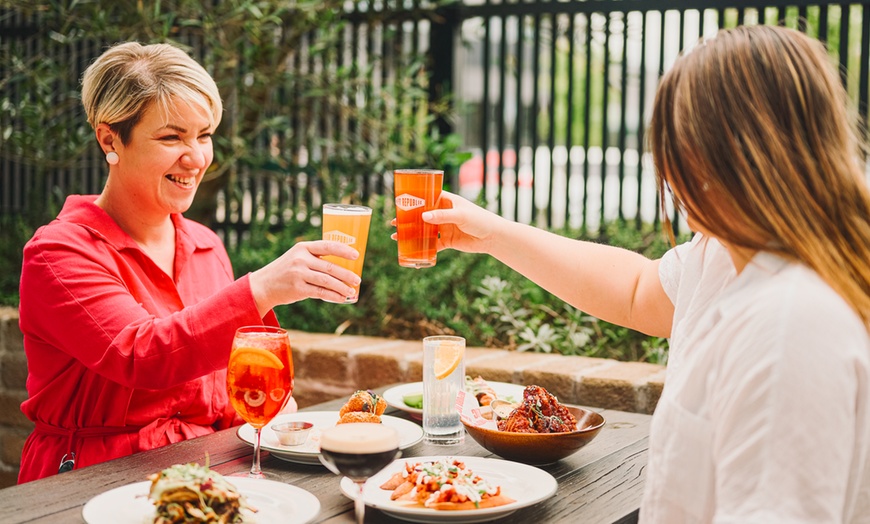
point(120, 357)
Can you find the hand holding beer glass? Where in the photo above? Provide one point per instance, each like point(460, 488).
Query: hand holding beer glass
point(348, 224)
point(416, 190)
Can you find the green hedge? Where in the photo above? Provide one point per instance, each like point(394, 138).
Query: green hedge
point(474, 296)
point(471, 295)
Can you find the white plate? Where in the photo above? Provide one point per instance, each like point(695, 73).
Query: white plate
point(275, 502)
point(309, 452)
point(394, 396)
point(527, 485)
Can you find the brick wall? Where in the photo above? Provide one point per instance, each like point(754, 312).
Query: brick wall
point(331, 366)
point(14, 427)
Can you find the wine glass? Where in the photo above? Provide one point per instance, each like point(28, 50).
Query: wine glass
point(259, 379)
point(358, 450)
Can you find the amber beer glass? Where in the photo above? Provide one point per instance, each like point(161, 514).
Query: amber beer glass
point(259, 378)
point(348, 224)
point(417, 190)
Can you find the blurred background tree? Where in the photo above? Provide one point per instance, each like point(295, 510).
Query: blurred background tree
point(305, 120)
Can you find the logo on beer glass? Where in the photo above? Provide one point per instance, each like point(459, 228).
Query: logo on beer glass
point(407, 202)
point(338, 236)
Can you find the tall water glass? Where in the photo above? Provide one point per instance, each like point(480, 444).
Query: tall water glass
point(443, 378)
point(259, 378)
point(416, 190)
point(348, 224)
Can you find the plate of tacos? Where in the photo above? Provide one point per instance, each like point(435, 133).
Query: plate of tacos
point(454, 489)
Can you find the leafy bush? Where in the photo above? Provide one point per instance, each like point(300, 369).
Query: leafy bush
point(16, 233)
point(349, 127)
point(470, 295)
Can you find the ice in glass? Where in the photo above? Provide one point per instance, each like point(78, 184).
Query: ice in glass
point(443, 378)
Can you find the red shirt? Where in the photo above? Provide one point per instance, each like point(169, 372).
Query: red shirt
point(121, 357)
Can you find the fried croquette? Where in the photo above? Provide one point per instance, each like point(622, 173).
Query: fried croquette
point(364, 402)
point(359, 416)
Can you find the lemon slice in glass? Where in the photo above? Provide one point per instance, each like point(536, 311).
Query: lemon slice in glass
point(447, 359)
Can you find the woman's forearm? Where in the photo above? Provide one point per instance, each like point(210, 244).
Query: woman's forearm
point(610, 283)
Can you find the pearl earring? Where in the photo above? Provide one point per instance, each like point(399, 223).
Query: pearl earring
point(112, 158)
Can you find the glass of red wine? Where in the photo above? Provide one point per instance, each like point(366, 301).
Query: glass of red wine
point(358, 451)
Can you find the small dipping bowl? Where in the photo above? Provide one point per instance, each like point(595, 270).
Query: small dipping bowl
point(292, 433)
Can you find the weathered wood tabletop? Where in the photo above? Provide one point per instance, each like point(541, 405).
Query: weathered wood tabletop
point(601, 483)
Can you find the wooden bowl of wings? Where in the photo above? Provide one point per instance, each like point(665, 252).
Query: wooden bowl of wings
point(538, 435)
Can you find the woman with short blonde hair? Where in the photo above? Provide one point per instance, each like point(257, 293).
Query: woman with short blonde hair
point(128, 309)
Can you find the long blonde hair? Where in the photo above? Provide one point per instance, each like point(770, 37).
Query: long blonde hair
point(753, 132)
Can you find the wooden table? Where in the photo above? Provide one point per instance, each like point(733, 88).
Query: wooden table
point(601, 483)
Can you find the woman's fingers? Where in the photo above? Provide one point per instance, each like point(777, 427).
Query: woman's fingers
point(450, 212)
point(321, 248)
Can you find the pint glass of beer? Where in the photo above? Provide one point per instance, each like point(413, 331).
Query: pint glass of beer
point(348, 224)
point(417, 190)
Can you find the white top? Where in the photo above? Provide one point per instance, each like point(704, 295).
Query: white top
point(765, 414)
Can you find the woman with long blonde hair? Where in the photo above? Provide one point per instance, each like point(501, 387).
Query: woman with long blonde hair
point(765, 416)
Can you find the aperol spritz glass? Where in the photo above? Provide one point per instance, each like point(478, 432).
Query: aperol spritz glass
point(259, 378)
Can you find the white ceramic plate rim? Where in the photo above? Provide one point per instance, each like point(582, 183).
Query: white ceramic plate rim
point(527, 485)
point(394, 395)
point(410, 433)
point(276, 502)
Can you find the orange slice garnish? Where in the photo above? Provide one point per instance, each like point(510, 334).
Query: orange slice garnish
point(256, 357)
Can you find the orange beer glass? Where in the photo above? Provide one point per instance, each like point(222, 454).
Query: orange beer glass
point(348, 224)
point(417, 190)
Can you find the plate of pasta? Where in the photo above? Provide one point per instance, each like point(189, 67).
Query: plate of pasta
point(472, 489)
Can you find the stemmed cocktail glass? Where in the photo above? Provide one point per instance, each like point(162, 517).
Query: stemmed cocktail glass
point(259, 378)
point(358, 451)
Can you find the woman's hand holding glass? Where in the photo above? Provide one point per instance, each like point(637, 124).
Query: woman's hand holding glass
point(463, 225)
point(302, 273)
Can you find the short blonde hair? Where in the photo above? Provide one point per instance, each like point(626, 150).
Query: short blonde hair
point(127, 78)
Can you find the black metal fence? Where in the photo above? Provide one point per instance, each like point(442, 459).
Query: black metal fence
point(555, 96)
point(551, 97)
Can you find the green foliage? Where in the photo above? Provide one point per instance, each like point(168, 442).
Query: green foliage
point(249, 47)
point(513, 312)
point(16, 232)
point(470, 295)
point(293, 108)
